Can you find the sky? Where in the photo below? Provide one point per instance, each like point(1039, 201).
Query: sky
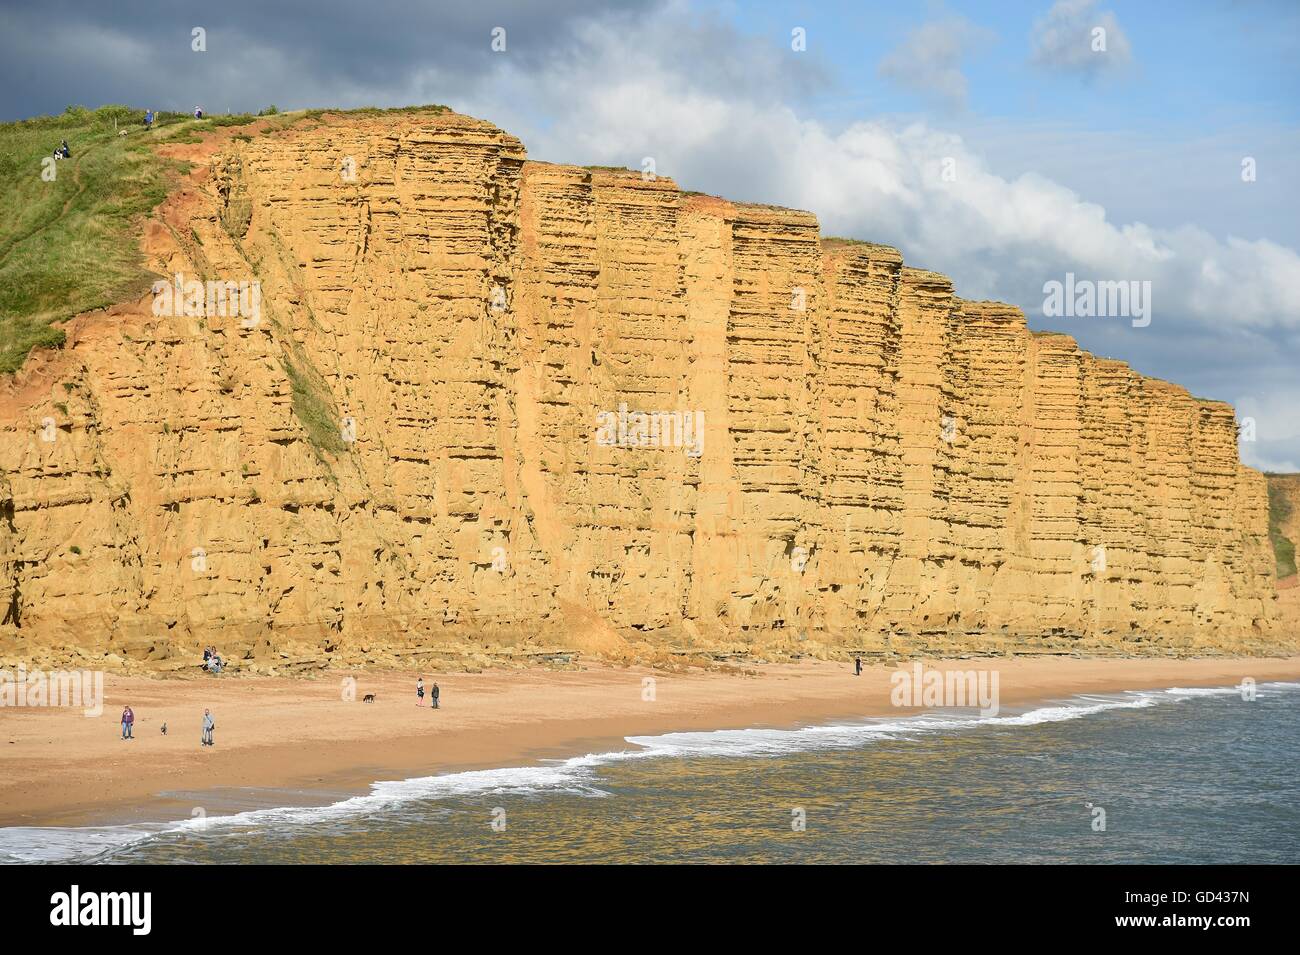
point(1005, 144)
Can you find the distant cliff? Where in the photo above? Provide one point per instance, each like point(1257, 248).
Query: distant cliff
point(495, 406)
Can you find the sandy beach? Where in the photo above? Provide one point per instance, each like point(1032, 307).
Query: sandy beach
point(60, 767)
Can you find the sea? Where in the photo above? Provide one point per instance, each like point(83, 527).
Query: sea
point(1177, 775)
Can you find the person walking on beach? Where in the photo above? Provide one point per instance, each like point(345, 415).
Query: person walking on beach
point(419, 692)
point(434, 695)
point(857, 666)
point(128, 722)
point(208, 726)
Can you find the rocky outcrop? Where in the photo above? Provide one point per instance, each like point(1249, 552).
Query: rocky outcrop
point(490, 403)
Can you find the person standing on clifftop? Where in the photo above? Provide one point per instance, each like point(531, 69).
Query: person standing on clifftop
point(128, 722)
point(208, 726)
point(419, 692)
point(148, 119)
point(434, 695)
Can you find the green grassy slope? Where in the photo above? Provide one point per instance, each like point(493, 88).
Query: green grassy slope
point(70, 244)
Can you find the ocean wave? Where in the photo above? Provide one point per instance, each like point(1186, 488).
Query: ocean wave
point(1203, 690)
point(577, 775)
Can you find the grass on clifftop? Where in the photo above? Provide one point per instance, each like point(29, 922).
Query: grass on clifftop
point(69, 245)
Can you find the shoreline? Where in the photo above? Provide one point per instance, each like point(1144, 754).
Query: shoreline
point(301, 742)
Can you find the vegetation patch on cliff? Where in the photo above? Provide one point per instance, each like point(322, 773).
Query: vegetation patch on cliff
point(1282, 492)
point(435, 108)
point(311, 406)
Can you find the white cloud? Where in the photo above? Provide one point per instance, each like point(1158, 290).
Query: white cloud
point(715, 108)
point(882, 181)
point(929, 60)
point(1252, 458)
point(997, 236)
point(1274, 443)
point(1076, 37)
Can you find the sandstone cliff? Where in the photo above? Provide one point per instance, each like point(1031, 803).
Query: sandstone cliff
point(402, 455)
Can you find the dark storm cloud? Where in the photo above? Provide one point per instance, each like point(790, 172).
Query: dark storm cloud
point(293, 54)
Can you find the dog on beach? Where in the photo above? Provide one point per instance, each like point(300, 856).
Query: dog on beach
point(368, 698)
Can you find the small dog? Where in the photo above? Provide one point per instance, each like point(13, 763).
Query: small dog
point(368, 698)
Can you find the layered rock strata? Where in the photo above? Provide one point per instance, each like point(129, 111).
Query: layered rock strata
point(495, 403)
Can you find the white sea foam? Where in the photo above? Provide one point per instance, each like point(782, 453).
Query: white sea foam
point(575, 776)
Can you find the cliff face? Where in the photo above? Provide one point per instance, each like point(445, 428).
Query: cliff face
point(433, 435)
